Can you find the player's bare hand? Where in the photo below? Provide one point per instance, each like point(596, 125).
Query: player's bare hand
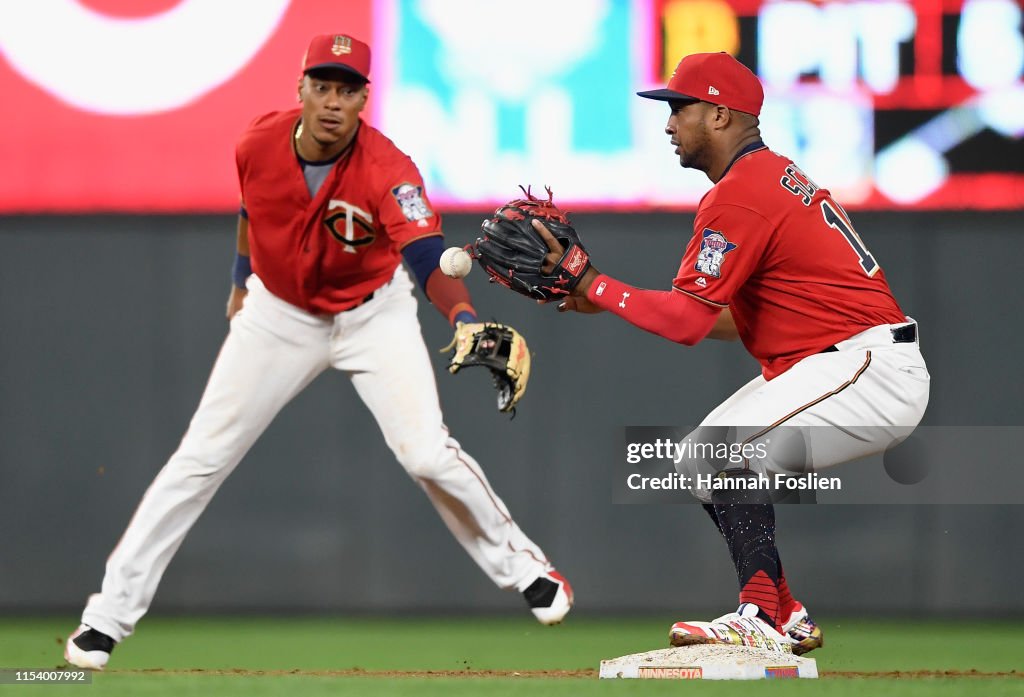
point(557, 250)
point(551, 261)
point(235, 300)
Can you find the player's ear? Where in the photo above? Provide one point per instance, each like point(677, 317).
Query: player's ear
point(722, 116)
point(298, 87)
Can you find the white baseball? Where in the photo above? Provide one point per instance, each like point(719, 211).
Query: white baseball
point(455, 262)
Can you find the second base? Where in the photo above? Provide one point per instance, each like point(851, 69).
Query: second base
point(709, 662)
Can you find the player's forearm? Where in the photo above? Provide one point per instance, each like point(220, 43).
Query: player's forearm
point(242, 243)
point(450, 296)
point(668, 314)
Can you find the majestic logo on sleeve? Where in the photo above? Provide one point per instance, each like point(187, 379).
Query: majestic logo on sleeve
point(352, 226)
point(410, 199)
point(713, 248)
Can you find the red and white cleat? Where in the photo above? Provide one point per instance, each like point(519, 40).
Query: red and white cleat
point(550, 597)
point(740, 628)
point(804, 632)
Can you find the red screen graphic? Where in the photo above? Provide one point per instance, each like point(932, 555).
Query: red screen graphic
point(62, 158)
point(135, 105)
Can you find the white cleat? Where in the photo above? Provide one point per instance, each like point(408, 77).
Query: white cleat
point(88, 648)
point(550, 597)
point(740, 628)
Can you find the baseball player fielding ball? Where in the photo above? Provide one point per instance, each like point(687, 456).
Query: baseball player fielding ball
point(330, 291)
point(774, 261)
point(456, 262)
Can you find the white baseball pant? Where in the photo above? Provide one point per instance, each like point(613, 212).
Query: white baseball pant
point(832, 407)
point(271, 353)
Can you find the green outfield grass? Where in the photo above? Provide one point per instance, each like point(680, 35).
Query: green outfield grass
point(475, 656)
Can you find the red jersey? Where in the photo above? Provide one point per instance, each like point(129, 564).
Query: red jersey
point(326, 253)
point(782, 255)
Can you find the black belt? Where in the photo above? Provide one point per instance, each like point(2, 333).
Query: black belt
point(907, 334)
point(365, 300)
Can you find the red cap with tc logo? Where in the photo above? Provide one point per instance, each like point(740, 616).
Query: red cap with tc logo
point(338, 51)
point(717, 78)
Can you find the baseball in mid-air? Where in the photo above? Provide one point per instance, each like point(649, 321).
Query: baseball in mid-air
point(455, 262)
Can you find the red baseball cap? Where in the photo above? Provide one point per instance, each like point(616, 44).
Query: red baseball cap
point(717, 78)
point(339, 51)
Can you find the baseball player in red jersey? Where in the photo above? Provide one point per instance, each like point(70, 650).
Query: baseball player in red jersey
point(776, 262)
point(330, 209)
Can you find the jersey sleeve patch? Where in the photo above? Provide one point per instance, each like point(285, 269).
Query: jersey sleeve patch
point(713, 248)
point(410, 200)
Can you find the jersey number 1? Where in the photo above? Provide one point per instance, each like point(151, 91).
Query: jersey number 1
point(837, 219)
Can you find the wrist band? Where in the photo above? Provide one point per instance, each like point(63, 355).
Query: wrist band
point(240, 270)
point(464, 316)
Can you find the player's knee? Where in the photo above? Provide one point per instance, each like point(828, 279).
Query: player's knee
point(207, 468)
point(421, 462)
point(696, 484)
point(203, 460)
point(701, 493)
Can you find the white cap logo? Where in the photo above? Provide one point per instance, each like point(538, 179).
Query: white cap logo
point(712, 90)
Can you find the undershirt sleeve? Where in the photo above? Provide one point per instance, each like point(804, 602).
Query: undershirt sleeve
point(667, 313)
point(423, 256)
point(449, 295)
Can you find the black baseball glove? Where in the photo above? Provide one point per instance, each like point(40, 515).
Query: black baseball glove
point(512, 252)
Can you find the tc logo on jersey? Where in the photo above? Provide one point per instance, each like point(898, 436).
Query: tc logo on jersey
point(352, 226)
point(713, 248)
point(410, 199)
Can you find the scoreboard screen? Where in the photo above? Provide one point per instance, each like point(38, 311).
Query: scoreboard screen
point(901, 103)
point(135, 105)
